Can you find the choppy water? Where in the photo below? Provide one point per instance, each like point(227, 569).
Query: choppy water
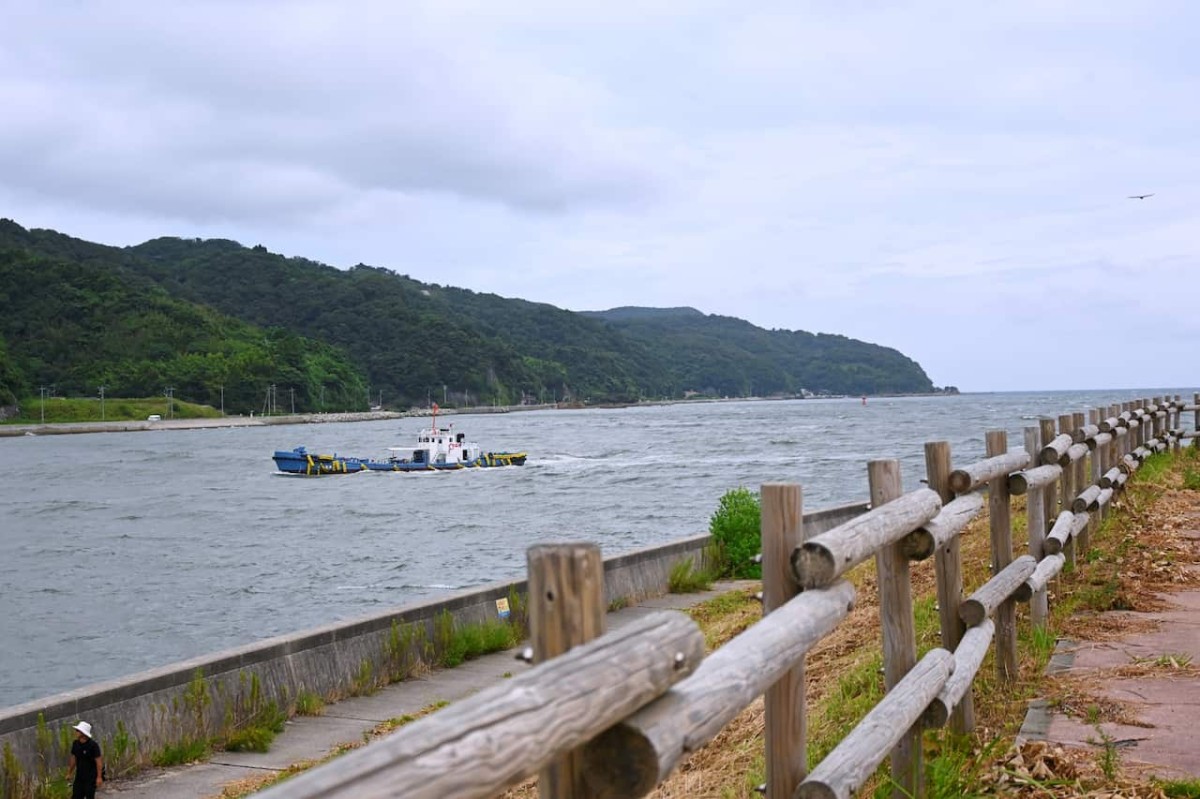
point(124, 551)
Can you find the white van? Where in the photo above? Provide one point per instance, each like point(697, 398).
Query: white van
point(154, 417)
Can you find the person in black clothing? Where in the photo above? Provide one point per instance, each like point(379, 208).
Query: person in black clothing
point(86, 763)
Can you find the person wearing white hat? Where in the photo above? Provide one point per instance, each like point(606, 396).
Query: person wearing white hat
point(86, 763)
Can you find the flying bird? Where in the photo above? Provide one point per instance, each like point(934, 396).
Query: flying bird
point(1139, 196)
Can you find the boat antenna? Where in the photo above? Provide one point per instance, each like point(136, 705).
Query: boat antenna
point(435, 410)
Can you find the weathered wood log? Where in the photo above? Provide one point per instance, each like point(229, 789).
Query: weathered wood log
point(566, 609)
point(979, 605)
point(1119, 485)
point(821, 560)
point(785, 724)
point(1000, 533)
point(967, 659)
point(509, 731)
point(950, 521)
point(1046, 569)
point(1056, 449)
point(1105, 495)
point(975, 475)
point(1059, 534)
point(1040, 477)
point(897, 625)
point(1128, 465)
point(632, 757)
point(1100, 440)
point(1110, 424)
point(1084, 432)
point(1075, 453)
point(1110, 477)
point(947, 565)
point(843, 771)
point(1085, 499)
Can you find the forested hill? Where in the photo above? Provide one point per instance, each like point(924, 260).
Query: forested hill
point(127, 313)
point(737, 358)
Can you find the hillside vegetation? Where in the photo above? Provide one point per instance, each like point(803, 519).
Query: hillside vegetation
point(197, 315)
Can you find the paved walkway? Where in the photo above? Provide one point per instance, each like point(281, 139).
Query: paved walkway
point(311, 737)
point(1155, 678)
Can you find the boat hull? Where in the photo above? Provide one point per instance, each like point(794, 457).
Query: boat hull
point(301, 462)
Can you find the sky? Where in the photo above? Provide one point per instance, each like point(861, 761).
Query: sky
point(950, 179)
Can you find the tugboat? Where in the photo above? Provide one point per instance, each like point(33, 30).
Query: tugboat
point(438, 449)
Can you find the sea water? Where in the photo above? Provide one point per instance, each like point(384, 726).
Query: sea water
point(125, 551)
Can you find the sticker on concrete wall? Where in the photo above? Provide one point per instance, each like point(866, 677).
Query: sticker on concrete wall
point(502, 608)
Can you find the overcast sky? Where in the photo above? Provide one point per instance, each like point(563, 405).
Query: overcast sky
point(946, 178)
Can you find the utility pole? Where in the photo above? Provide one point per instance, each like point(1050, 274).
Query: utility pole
point(271, 400)
point(42, 391)
point(102, 403)
point(222, 400)
point(292, 389)
point(170, 392)
point(444, 394)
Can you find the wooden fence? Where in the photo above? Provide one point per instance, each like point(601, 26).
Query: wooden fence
point(612, 714)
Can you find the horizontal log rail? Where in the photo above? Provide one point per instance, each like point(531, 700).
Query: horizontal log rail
point(506, 733)
point(978, 474)
point(1046, 569)
point(632, 757)
point(968, 657)
point(941, 529)
point(983, 603)
point(1040, 477)
point(1086, 499)
point(846, 768)
point(1056, 450)
point(821, 560)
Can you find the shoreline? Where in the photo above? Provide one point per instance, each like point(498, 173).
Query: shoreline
point(208, 422)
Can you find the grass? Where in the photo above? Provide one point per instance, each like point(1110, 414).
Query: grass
point(87, 409)
point(458, 643)
point(243, 788)
point(685, 578)
point(309, 704)
point(1183, 789)
point(188, 751)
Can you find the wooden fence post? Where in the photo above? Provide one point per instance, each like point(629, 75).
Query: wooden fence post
point(899, 633)
point(1196, 423)
point(948, 568)
point(1035, 519)
point(1069, 489)
point(1000, 519)
point(785, 723)
point(1081, 481)
point(566, 609)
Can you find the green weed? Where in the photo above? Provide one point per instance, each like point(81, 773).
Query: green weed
point(685, 578)
point(1180, 789)
point(1109, 759)
point(186, 751)
point(618, 603)
point(309, 704)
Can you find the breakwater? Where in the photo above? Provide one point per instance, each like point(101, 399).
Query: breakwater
point(137, 717)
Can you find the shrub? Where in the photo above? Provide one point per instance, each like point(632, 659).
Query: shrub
point(735, 530)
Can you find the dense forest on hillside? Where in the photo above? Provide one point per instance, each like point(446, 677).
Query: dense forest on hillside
point(732, 357)
point(73, 328)
point(201, 314)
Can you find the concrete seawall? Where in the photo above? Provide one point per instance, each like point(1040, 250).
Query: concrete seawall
point(140, 715)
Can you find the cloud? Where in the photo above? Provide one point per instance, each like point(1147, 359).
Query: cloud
point(227, 110)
